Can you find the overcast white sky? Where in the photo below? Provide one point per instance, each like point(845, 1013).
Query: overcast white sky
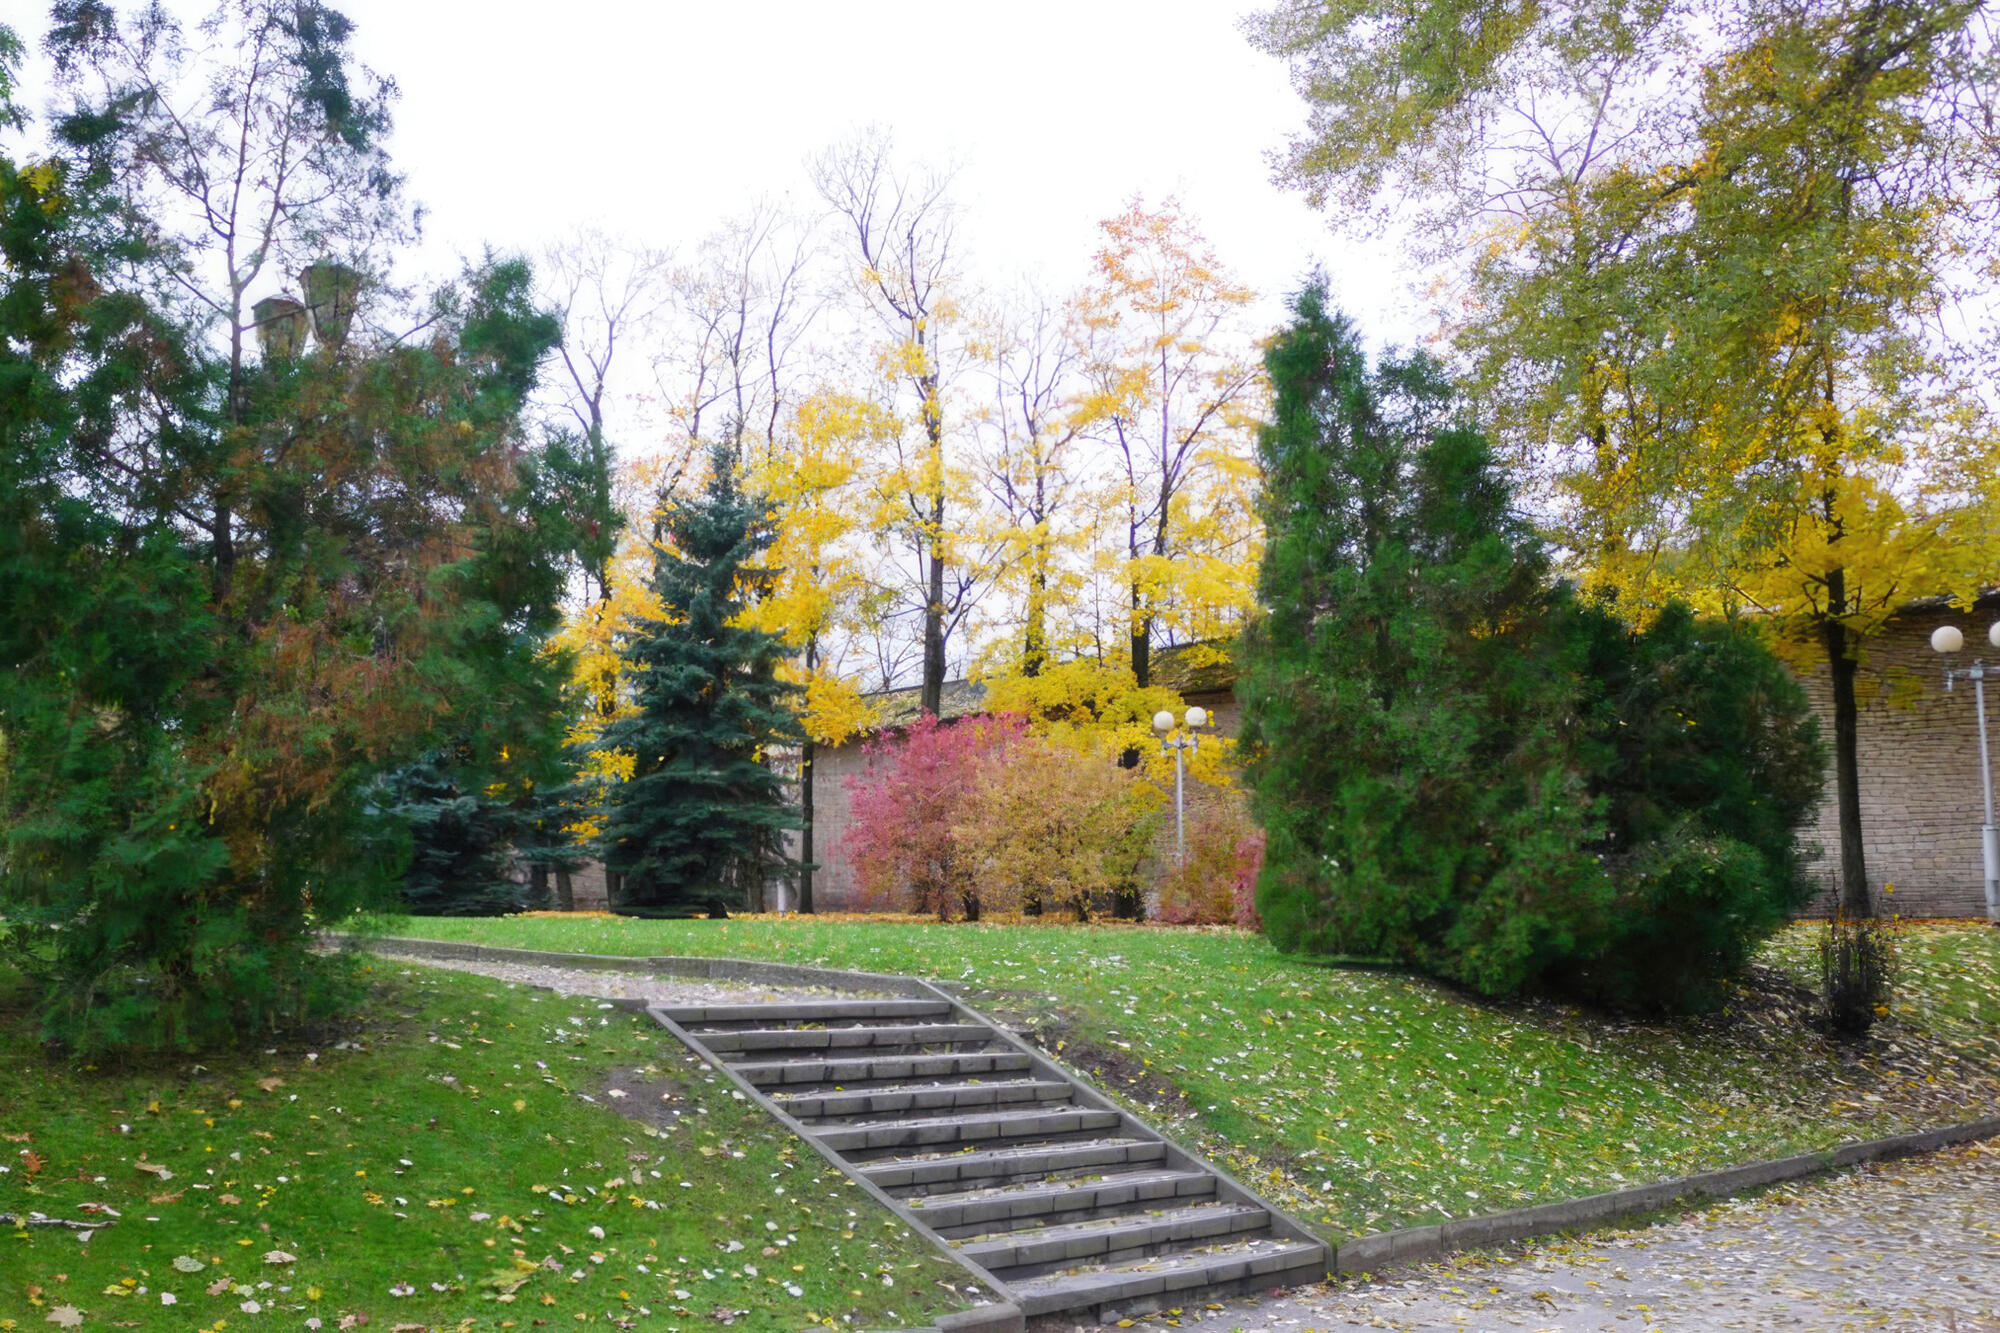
point(520, 121)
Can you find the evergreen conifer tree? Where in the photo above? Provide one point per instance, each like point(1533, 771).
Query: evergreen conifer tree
point(699, 824)
point(1460, 765)
point(1409, 768)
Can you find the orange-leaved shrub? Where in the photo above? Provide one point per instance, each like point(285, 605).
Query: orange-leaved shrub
point(1216, 883)
point(1052, 829)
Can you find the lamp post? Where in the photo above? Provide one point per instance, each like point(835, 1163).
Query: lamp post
point(1948, 639)
point(1163, 722)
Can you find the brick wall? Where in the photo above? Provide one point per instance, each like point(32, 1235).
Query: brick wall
point(1918, 769)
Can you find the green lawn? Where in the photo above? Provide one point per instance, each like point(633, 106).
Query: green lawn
point(452, 1161)
point(1366, 1100)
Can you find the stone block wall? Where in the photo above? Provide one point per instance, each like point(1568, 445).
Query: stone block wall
point(1918, 770)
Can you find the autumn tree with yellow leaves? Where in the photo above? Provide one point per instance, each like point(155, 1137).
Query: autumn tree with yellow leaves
point(1170, 396)
point(1722, 265)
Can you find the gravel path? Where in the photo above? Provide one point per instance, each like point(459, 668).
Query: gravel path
point(1902, 1246)
point(653, 987)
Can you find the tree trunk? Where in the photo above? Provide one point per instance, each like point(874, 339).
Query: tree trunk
point(1142, 641)
point(538, 884)
point(808, 756)
point(1855, 898)
point(1035, 640)
point(565, 891)
point(933, 691)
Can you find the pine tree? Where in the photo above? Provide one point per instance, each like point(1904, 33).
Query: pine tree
point(698, 825)
point(1459, 764)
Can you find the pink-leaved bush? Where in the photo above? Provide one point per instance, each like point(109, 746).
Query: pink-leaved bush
point(1217, 883)
point(906, 810)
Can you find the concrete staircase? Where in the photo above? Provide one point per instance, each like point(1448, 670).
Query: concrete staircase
point(1053, 1195)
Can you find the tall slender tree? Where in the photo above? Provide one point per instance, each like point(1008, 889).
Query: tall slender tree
point(245, 575)
point(1168, 397)
point(902, 231)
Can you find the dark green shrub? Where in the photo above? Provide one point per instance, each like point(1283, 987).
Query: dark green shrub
point(1707, 759)
point(1857, 964)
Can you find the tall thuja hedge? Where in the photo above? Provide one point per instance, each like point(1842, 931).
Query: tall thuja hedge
point(1706, 759)
point(1459, 766)
point(1406, 711)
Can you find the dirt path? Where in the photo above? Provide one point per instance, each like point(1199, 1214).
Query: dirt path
point(1902, 1246)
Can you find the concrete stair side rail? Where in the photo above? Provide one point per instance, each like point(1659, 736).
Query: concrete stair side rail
point(998, 1314)
point(915, 1096)
point(948, 1105)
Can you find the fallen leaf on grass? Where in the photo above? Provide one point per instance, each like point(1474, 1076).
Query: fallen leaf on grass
point(279, 1257)
point(270, 1083)
point(187, 1263)
point(68, 1316)
point(153, 1169)
point(175, 1197)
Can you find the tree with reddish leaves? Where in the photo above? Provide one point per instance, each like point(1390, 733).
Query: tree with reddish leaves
point(908, 809)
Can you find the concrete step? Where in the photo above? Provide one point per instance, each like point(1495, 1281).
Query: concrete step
point(884, 1136)
point(1151, 1284)
point(1053, 1201)
point(1118, 1238)
point(820, 1107)
point(1068, 1207)
point(939, 1173)
point(799, 1011)
point(893, 1036)
point(878, 1070)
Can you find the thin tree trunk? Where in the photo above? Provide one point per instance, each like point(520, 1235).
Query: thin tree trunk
point(1855, 897)
point(933, 691)
point(565, 891)
point(808, 757)
point(1035, 641)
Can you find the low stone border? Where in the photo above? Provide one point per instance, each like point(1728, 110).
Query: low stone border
point(708, 969)
point(1422, 1244)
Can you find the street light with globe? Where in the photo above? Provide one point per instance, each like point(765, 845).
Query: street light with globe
point(1949, 639)
point(1163, 722)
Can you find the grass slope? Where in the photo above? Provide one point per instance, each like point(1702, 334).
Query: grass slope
point(451, 1162)
point(1366, 1100)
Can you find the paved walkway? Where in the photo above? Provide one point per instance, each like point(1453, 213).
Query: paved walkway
point(1902, 1246)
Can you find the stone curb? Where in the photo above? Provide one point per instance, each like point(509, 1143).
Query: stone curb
point(707, 969)
point(1423, 1244)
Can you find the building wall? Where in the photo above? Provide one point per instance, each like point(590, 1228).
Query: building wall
point(834, 888)
point(1918, 769)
